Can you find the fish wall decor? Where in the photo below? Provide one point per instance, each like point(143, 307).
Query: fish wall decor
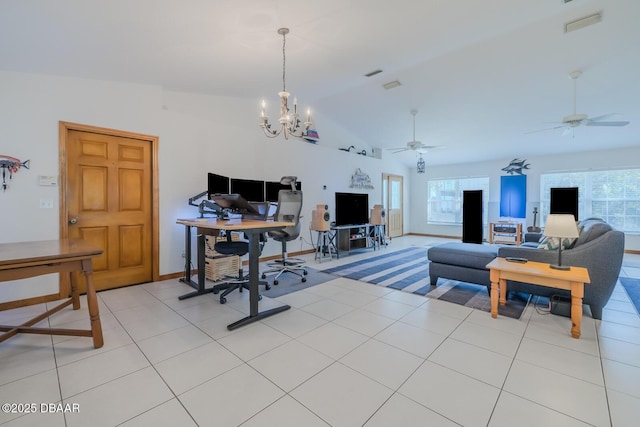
point(516, 166)
point(11, 165)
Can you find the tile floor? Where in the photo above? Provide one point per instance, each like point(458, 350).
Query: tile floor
point(347, 354)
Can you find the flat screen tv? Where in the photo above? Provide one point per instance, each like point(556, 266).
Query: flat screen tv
point(352, 208)
point(564, 201)
point(273, 187)
point(217, 184)
point(250, 190)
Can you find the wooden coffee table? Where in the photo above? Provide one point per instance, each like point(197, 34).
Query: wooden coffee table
point(538, 273)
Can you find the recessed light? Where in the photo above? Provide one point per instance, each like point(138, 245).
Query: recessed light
point(583, 22)
point(391, 85)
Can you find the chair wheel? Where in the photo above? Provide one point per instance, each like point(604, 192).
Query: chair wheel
point(215, 291)
point(223, 300)
point(267, 287)
point(259, 297)
point(264, 276)
point(305, 272)
point(275, 282)
point(304, 279)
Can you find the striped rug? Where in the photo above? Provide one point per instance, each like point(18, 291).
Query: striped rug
point(406, 269)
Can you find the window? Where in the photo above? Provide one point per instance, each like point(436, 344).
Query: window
point(613, 195)
point(444, 199)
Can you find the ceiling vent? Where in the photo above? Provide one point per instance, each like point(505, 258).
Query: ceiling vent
point(583, 22)
point(391, 85)
point(373, 73)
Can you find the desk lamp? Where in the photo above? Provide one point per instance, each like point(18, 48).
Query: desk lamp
point(561, 226)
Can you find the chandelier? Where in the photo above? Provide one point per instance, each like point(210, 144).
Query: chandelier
point(422, 166)
point(290, 123)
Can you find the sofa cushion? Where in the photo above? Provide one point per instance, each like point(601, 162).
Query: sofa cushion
point(463, 254)
point(592, 229)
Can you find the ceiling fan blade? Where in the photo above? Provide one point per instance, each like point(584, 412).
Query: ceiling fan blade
point(604, 116)
point(545, 129)
point(568, 131)
point(592, 123)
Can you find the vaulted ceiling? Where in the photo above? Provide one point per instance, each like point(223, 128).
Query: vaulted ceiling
point(481, 73)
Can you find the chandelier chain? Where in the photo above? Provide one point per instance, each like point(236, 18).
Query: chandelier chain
point(284, 62)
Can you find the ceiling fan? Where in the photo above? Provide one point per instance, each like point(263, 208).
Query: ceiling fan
point(414, 145)
point(569, 123)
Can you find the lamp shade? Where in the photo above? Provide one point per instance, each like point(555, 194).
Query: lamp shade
point(561, 225)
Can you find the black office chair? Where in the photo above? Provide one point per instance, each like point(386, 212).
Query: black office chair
point(289, 207)
point(240, 248)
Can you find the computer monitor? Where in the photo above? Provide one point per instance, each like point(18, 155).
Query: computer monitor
point(217, 184)
point(251, 190)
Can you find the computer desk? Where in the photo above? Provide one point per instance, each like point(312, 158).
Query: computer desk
point(253, 229)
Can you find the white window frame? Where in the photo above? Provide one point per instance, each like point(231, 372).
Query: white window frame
point(621, 210)
point(444, 199)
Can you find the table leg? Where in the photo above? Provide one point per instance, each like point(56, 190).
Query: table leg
point(254, 292)
point(92, 304)
point(200, 285)
point(503, 291)
point(75, 292)
point(577, 293)
point(495, 279)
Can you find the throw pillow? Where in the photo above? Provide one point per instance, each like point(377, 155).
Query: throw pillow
point(552, 243)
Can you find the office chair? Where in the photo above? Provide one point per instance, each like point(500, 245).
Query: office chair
point(289, 207)
point(240, 248)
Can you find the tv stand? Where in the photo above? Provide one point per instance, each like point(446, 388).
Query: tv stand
point(349, 238)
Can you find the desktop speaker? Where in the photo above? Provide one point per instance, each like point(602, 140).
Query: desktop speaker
point(377, 215)
point(320, 218)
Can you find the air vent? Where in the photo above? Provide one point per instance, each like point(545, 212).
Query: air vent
point(373, 73)
point(583, 22)
point(391, 85)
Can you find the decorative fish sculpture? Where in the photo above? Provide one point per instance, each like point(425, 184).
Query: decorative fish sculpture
point(516, 166)
point(11, 165)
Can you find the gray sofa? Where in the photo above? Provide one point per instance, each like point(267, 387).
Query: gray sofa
point(599, 248)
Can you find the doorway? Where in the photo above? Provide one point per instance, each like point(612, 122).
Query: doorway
point(392, 190)
point(109, 197)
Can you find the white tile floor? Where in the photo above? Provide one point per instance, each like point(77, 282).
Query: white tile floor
point(346, 354)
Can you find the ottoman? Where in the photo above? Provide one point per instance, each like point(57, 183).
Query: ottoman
point(465, 262)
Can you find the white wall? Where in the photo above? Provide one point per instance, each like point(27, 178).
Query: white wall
point(197, 134)
point(596, 160)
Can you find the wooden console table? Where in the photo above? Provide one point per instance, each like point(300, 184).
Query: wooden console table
point(30, 259)
point(538, 273)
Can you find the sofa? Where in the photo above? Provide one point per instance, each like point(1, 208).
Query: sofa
point(599, 248)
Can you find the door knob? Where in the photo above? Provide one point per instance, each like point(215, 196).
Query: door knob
point(73, 220)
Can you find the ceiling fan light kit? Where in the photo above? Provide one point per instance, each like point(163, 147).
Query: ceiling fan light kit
point(572, 121)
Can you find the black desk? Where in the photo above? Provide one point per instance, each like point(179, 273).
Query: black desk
point(253, 229)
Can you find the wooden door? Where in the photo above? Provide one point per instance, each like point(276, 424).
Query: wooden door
point(392, 199)
point(108, 199)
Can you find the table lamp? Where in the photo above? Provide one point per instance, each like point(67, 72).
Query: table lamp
point(561, 226)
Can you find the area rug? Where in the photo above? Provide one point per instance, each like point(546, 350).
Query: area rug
point(288, 282)
point(408, 270)
point(477, 296)
point(632, 286)
point(405, 269)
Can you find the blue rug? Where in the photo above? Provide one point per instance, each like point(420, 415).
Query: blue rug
point(632, 286)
